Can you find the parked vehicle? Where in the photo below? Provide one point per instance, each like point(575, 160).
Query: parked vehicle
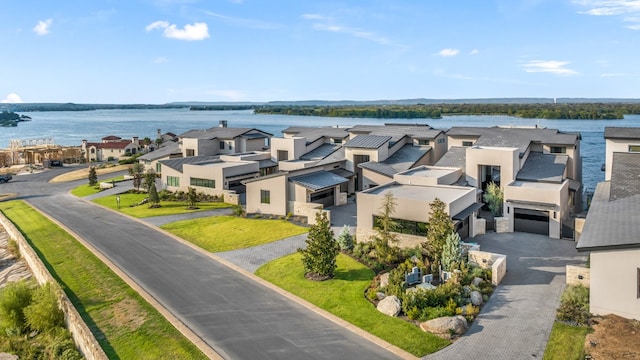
point(5, 177)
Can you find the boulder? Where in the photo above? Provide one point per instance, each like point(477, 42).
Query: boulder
point(476, 298)
point(384, 280)
point(390, 305)
point(7, 356)
point(476, 281)
point(380, 295)
point(446, 325)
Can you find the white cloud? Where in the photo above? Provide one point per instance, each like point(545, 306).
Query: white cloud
point(609, 7)
point(12, 98)
point(43, 27)
point(474, 52)
point(549, 66)
point(161, 60)
point(448, 52)
point(323, 23)
point(247, 23)
point(197, 31)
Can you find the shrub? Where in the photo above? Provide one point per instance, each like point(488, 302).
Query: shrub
point(494, 198)
point(439, 297)
point(44, 312)
point(574, 305)
point(319, 257)
point(13, 248)
point(451, 254)
point(345, 240)
point(13, 299)
point(238, 210)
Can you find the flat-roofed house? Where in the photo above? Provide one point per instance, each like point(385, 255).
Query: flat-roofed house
point(619, 139)
point(611, 233)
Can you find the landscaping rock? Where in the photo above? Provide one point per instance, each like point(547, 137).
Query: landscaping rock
point(415, 260)
point(476, 281)
point(476, 298)
point(446, 325)
point(390, 305)
point(384, 280)
point(6, 356)
point(466, 289)
point(380, 295)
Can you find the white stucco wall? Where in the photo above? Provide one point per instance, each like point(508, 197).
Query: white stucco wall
point(507, 158)
point(614, 283)
point(615, 145)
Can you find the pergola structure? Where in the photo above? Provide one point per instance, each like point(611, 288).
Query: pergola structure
point(39, 151)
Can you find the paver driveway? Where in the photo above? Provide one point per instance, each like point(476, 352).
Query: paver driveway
point(517, 320)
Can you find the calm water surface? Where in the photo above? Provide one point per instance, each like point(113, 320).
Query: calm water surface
point(71, 127)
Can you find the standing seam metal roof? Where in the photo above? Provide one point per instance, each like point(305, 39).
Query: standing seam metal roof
point(367, 141)
point(318, 180)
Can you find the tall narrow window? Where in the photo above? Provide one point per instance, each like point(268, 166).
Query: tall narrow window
point(265, 197)
point(221, 145)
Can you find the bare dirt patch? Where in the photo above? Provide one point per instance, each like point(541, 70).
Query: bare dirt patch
point(84, 173)
point(613, 337)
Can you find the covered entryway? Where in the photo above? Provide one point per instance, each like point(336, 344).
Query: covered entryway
point(325, 197)
point(531, 221)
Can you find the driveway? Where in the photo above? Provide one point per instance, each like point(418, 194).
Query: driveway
point(517, 320)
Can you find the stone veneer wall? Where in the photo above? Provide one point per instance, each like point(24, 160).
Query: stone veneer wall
point(575, 272)
point(231, 197)
point(579, 224)
point(308, 210)
point(502, 224)
point(485, 260)
point(84, 339)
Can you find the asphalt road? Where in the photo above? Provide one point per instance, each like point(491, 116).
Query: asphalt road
point(236, 316)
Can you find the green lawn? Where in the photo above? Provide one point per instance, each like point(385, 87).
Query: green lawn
point(222, 233)
point(86, 189)
point(343, 296)
point(566, 342)
point(143, 211)
point(125, 325)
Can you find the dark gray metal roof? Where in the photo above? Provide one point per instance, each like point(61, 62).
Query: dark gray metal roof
point(320, 152)
point(178, 163)
point(630, 133)
point(367, 141)
point(468, 211)
point(455, 157)
point(611, 224)
point(165, 151)
point(314, 133)
point(543, 168)
point(266, 163)
point(401, 160)
point(397, 131)
point(625, 175)
point(318, 180)
point(223, 133)
point(342, 172)
point(256, 135)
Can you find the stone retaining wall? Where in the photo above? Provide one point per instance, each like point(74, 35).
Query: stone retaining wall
point(84, 339)
point(496, 262)
point(231, 197)
point(308, 210)
point(578, 275)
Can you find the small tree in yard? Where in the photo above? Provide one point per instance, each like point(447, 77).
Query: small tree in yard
point(154, 198)
point(319, 257)
point(439, 227)
point(345, 239)
point(451, 254)
point(44, 312)
point(137, 171)
point(494, 198)
point(192, 198)
point(149, 179)
point(93, 176)
point(385, 239)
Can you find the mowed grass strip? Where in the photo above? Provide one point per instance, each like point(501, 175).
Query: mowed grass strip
point(566, 342)
point(86, 189)
point(223, 233)
point(343, 296)
point(125, 325)
point(143, 211)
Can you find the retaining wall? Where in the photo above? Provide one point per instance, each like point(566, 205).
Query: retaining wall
point(84, 339)
point(578, 275)
point(496, 262)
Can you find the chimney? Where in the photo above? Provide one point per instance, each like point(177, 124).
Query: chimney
point(159, 134)
point(135, 140)
point(222, 123)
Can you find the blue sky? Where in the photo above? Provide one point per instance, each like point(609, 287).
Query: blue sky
point(158, 51)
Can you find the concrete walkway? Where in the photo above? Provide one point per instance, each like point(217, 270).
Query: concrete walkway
point(517, 320)
point(252, 258)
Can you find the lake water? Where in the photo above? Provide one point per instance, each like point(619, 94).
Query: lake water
point(71, 127)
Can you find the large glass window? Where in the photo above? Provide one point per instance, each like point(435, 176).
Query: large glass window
point(173, 181)
point(558, 150)
point(634, 148)
point(265, 197)
point(202, 182)
point(401, 226)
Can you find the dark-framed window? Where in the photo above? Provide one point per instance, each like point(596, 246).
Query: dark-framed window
point(208, 183)
point(467, 143)
point(173, 181)
point(558, 150)
point(423, 142)
point(265, 197)
point(221, 145)
point(191, 152)
point(158, 167)
point(402, 226)
point(634, 148)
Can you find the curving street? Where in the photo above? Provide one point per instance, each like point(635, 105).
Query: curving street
point(236, 316)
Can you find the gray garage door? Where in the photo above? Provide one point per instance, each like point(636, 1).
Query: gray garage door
point(531, 221)
point(324, 197)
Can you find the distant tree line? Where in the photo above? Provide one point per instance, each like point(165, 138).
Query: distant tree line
point(8, 119)
point(221, 107)
point(590, 111)
point(88, 107)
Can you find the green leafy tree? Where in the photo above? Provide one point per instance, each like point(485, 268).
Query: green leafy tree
point(13, 299)
point(154, 198)
point(149, 179)
point(385, 240)
point(192, 197)
point(44, 312)
point(451, 254)
point(494, 198)
point(93, 176)
point(319, 257)
point(345, 239)
point(137, 171)
point(440, 225)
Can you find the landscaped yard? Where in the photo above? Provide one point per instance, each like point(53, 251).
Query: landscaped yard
point(86, 189)
point(223, 233)
point(566, 342)
point(143, 211)
point(343, 296)
point(125, 325)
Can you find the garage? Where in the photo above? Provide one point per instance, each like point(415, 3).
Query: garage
point(531, 221)
point(324, 197)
